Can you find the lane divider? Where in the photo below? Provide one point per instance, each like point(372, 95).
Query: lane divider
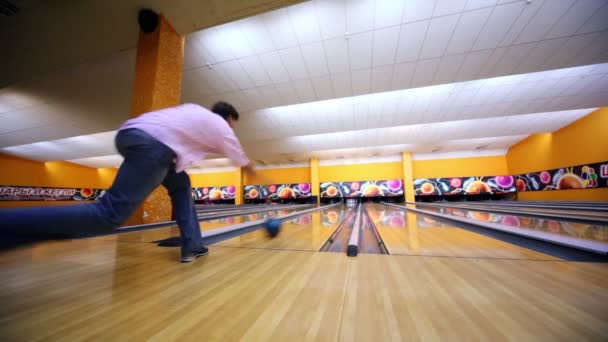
point(353, 243)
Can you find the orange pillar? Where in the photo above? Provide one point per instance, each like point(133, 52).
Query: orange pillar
point(240, 183)
point(408, 176)
point(158, 80)
point(314, 177)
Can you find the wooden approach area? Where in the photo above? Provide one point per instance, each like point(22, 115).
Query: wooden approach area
point(125, 288)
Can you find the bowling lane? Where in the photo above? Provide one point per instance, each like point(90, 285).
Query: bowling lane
point(414, 234)
point(568, 233)
point(168, 232)
point(305, 232)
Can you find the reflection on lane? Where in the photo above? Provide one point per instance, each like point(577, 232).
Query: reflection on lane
point(304, 232)
point(414, 234)
point(571, 229)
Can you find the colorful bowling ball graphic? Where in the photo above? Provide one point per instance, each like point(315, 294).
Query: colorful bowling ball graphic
point(456, 182)
point(477, 187)
point(287, 193)
point(372, 190)
point(304, 187)
point(272, 188)
point(216, 195)
point(545, 177)
point(354, 186)
point(570, 181)
point(205, 191)
point(394, 185)
point(86, 193)
point(504, 181)
point(427, 188)
point(520, 185)
point(331, 191)
point(253, 193)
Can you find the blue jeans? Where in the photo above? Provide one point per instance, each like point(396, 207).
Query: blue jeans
point(147, 164)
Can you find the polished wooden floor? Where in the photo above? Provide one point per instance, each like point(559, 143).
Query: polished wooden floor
point(119, 288)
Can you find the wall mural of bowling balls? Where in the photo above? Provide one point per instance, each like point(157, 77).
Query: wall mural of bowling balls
point(30, 193)
point(376, 188)
point(573, 177)
point(464, 185)
point(277, 191)
point(214, 193)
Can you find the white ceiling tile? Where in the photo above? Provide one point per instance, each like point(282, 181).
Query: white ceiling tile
point(498, 25)
point(527, 14)
point(474, 4)
point(448, 68)
point(254, 97)
point(304, 89)
point(472, 64)
point(495, 57)
point(270, 96)
point(411, 39)
point(538, 55)
point(593, 52)
point(274, 66)
point(360, 50)
point(576, 16)
point(438, 36)
point(213, 43)
point(280, 28)
point(256, 33)
point(597, 22)
point(544, 20)
point(448, 7)
point(293, 62)
point(332, 17)
point(314, 56)
point(511, 59)
point(305, 22)
point(403, 75)
point(425, 72)
point(341, 84)
point(468, 29)
point(359, 16)
point(255, 70)
point(382, 78)
point(416, 10)
point(388, 13)
point(323, 87)
point(361, 81)
point(569, 50)
point(234, 70)
point(224, 82)
point(385, 45)
point(236, 40)
point(337, 55)
point(288, 92)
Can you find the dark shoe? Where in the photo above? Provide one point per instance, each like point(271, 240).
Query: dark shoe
point(190, 256)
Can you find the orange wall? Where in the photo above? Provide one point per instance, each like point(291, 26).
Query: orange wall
point(356, 172)
point(584, 141)
point(460, 167)
point(272, 176)
point(19, 171)
point(213, 179)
